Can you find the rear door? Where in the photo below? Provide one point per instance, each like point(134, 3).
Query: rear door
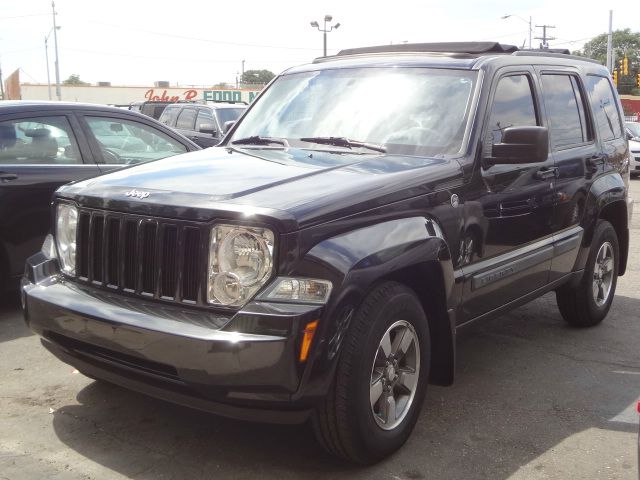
point(574, 151)
point(38, 153)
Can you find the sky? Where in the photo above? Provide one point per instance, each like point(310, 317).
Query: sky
point(194, 43)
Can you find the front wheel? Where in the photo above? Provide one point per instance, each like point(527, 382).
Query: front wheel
point(588, 303)
point(380, 383)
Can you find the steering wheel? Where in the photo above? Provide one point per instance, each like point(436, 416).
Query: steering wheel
point(109, 156)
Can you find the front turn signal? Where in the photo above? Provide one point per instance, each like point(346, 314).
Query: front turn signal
point(307, 338)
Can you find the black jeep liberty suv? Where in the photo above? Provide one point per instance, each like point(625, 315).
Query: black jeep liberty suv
point(318, 262)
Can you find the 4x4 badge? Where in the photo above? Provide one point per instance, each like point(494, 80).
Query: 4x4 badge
point(454, 200)
point(138, 194)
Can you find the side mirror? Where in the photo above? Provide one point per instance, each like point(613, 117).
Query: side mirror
point(521, 145)
point(228, 125)
point(207, 128)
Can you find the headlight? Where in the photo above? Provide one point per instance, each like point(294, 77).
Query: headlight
point(66, 226)
point(240, 263)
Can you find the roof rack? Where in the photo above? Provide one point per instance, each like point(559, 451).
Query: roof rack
point(441, 47)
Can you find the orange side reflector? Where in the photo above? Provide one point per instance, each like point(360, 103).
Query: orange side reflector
point(307, 338)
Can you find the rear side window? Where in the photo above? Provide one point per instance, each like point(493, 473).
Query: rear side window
point(605, 110)
point(169, 115)
point(513, 106)
point(565, 111)
point(187, 119)
point(38, 140)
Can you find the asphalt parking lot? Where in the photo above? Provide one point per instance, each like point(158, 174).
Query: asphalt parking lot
point(532, 399)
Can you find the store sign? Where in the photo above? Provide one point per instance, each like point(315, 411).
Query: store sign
point(229, 95)
point(155, 95)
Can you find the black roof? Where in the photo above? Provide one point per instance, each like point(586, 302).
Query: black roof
point(458, 50)
point(17, 106)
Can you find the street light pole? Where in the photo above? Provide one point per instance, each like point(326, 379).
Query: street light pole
point(530, 22)
point(324, 30)
point(55, 42)
point(46, 56)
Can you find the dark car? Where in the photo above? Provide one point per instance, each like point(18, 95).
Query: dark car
point(151, 108)
point(45, 145)
point(206, 123)
point(319, 262)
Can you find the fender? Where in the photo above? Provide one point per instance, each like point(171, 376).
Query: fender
point(605, 191)
point(400, 250)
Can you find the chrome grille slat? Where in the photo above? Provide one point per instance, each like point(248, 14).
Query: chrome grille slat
point(148, 257)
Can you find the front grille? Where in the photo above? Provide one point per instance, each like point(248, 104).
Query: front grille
point(150, 257)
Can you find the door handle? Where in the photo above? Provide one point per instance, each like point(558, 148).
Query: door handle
point(547, 173)
point(7, 177)
point(595, 162)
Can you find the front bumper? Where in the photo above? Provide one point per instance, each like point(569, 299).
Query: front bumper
point(242, 365)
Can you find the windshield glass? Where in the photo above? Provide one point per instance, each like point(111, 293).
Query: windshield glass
point(421, 111)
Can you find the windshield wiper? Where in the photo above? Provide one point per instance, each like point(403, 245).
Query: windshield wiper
point(344, 142)
point(258, 140)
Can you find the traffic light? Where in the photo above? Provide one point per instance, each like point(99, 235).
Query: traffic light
point(615, 76)
point(625, 66)
point(637, 79)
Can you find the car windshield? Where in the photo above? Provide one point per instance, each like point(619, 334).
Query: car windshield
point(634, 128)
point(410, 111)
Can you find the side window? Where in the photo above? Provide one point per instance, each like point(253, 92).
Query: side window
point(513, 106)
point(565, 111)
point(205, 116)
point(187, 119)
point(603, 104)
point(128, 142)
point(169, 115)
point(38, 140)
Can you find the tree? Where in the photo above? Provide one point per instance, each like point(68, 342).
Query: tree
point(624, 42)
point(74, 79)
point(257, 76)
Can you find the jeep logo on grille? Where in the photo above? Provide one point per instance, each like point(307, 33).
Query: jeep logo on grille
point(138, 194)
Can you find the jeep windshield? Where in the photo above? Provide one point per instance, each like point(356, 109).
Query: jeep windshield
point(405, 111)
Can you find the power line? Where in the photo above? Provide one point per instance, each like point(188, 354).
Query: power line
point(196, 60)
point(184, 37)
point(24, 16)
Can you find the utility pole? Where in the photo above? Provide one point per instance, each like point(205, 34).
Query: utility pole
point(610, 43)
point(544, 36)
point(1, 84)
point(55, 41)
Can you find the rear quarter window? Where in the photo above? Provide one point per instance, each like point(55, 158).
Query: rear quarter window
point(605, 107)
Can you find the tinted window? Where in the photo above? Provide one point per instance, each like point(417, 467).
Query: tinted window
point(41, 140)
point(187, 119)
point(169, 115)
point(567, 127)
point(205, 116)
point(603, 104)
point(512, 106)
point(128, 142)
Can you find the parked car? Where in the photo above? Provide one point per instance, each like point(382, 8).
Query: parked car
point(318, 264)
point(205, 124)
point(634, 147)
point(44, 145)
point(633, 130)
point(150, 108)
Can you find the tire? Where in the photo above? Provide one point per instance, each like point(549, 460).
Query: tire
point(349, 423)
point(586, 304)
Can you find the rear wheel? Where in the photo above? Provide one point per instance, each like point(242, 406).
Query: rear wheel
point(588, 303)
point(381, 378)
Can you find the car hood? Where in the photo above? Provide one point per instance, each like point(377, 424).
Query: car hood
point(294, 187)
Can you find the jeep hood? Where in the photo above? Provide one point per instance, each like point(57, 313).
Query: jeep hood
point(293, 188)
